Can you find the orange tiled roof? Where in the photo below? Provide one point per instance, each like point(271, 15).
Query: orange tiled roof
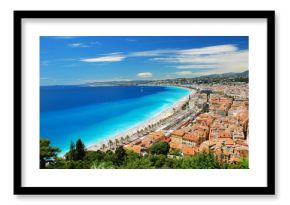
point(241, 142)
point(224, 134)
point(234, 159)
point(200, 133)
point(191, 137)
point(178, 133)
point(204, 115)
point(137, 148)
point(167, 139)
point(187, 129)
point(228, 141)
point(146, 142)
point(157, 135)
point(200, 127)
point(134, 148)
point(175, 145)
point(189, 150)
point(243, 116)
point(128, 146)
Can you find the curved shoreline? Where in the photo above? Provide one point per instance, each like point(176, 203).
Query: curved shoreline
point(154, 119)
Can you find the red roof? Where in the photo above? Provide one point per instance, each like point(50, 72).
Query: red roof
point(189, 150)
point(167, 139)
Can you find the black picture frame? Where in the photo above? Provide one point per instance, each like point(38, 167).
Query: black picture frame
point(268, 190)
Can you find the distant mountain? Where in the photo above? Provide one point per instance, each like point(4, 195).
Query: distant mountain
point(244, 74)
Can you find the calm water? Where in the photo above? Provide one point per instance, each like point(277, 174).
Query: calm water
point(97, 113)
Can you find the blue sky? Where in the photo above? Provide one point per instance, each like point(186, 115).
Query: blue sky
point(66, 60)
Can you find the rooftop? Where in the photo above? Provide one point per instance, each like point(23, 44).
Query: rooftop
point(178, 133)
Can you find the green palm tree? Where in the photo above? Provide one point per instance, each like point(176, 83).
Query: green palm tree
point(116, 142)
point(122, 140)
point(103, 147)
point(150, 128)
point(110, 143)
point(127, 138)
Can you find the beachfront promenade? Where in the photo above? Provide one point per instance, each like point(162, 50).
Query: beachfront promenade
point(167, 120)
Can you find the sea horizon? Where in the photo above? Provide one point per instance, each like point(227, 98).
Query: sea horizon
point(98, 113)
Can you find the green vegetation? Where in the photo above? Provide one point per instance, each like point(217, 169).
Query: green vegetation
point(80, 150)
point(79, 158)
point(205, 108)
point(185, 106)
point(176, 152)
point(243, 164)
point(47, 152)
point(160, 148)
point(76, 152)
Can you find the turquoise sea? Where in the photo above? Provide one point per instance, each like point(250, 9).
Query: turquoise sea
point(98, 113)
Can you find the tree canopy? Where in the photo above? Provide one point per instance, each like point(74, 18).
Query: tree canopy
point(77, 151)
point(47, 152)
point(80, 158)
point(80, 150)
point(160, 148)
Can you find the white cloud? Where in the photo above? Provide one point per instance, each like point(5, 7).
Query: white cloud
point(145, 75)
point(114, 53)
point(188, 52)
point(221, 58)
point(74, 44)
point(209, 50)
point(84, 45)
point(78, 45)
point(195, 66)
point(224, 58)
point(184, 73)
point(108, 58)
point(152, 53)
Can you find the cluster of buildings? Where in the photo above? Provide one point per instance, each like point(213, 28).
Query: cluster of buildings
point(222, 128)
point(142, 145)
point(219, 104)
point(239, 91)
point(198, 101)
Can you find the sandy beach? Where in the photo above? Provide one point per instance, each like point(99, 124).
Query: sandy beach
point(130, 132)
